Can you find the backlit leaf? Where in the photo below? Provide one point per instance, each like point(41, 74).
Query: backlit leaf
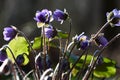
point(18, 46)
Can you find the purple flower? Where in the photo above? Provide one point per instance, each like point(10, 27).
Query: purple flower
point(20, 59)
point(82, 41)
point(84, 44)
point(9, 33)
point(101, 40)
point(115, 14)
point(3, 55)
point(43, 17)
point(60, 15)
point(50, 32)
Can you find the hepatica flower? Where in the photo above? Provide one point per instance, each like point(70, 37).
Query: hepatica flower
point(115, 14)
point(9, 33)
point(60, 15)
point(50, 32)
point(43, 17)
point(3, 55)
point(101, 40)
point(82, 41)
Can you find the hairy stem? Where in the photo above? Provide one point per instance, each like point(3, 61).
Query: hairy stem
point(101, 29)
point(19, 68)
point(90, 69)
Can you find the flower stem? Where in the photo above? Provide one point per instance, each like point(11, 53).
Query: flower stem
point(70, 21)
point(72, 44)
point(44, 47)
point(90, 69)
point(30, 45)
point(81, 70)
point(25, 77)
point(74, 65)
point(101, 29)
point(14, 72)
point(19, 68)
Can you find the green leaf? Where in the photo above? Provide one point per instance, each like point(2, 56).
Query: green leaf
point(74, 58)
point(78, 66)
point(62, 35)
point(107, 60)
point(37, 43)
point(18, 46)
point(106, 69)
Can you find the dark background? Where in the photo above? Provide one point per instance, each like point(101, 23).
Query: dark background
point(87, 16)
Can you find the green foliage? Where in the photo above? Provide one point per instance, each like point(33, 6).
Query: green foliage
point(37, 43)
point(78, 66)
point(106, 69)
point(62, 35)
point(18, 46)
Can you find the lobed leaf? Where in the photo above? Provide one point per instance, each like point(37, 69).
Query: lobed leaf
point(18, 46)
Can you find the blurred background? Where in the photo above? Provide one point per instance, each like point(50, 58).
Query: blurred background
point(87, 16)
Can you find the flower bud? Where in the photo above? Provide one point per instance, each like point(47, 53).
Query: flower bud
point(60, 15)
point(115, 15)
point(3, 55)
point(9, 33)
point(50, 32)
point(82, 41)
point(101, 40)
point(20, 59)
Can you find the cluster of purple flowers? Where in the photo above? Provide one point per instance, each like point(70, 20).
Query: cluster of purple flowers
point(44, 19)
point(45, 16)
